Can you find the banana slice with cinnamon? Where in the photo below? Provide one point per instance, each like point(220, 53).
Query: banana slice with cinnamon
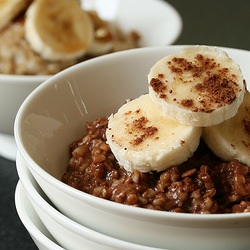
point(231, 139)
point(142, 138)
point(58, 30)
point(200, 86)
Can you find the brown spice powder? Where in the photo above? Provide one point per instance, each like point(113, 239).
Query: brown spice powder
point(187, 103)
point(157, 85)
point(139, 126)
point(217, 89)
point(216, 86)
point(246, 124)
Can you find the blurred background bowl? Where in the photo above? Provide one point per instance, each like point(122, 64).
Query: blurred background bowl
point(14, 89)
point(54, 115)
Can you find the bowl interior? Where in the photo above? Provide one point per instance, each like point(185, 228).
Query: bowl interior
point(54, 114)
point(158, 16)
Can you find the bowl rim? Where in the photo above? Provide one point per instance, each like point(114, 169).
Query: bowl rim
point(26, 78)
point(106, 204)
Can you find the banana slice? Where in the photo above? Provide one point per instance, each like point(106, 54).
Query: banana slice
point(58, 30)
point(9, 9)
point(200, 86)
point(231, 139)
point(142, 138)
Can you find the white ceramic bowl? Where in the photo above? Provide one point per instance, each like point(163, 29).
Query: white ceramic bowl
point(13, 90)
point(38, 232)
point(53, 116)
point(156, 16)
point(157, 20)
point(69, 234)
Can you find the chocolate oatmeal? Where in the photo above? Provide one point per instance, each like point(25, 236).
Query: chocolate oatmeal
point(204, 184)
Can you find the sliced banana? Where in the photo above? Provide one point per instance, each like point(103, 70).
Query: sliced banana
point(58, 30)
point(9, 9)
point(231, 139)
point(142, 138)
point(200, 86)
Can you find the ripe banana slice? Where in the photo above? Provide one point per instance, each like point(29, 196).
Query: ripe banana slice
point(58, 30)
point(9, 9)
point(231, 139)
point(200, 86)
point(142, 138)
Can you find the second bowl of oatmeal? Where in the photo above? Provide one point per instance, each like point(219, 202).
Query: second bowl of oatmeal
point(44, 131)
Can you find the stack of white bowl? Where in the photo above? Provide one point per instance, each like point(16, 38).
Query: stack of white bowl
point(52, 117)
point(52, 230)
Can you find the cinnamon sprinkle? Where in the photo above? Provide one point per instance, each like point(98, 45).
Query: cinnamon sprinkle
point(246, 125)
point(216, 86)
point(187, 103)
point(158, 87)
point(141, 130)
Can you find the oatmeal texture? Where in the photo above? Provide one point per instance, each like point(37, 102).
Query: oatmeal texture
point(204, 184)
point(17, 57)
